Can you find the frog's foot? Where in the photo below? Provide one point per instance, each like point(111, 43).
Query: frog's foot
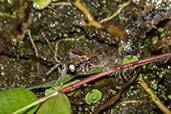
point(63, 73)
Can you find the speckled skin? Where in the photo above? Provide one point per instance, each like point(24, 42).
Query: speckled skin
point(86, 57)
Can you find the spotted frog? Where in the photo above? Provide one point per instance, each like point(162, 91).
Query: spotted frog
point(88, 56)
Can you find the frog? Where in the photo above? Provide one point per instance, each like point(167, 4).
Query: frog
point(85, 57)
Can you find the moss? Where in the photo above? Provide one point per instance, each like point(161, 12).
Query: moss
point(118, 87)
point(154, 84)
point(121, 17)
point(169, 96)
point(113, 92)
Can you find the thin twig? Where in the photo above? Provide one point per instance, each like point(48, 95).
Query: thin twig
point(135, 101)
point(116, 13)
point(50, 45)
point(52, 69)
point(32, 42)
point(35, 49)
point(155, 99)
point(57, 44)
point(62, 3)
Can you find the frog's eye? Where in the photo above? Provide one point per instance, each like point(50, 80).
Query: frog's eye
point(71, 67)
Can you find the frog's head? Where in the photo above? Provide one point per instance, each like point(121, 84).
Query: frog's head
point(78, 63)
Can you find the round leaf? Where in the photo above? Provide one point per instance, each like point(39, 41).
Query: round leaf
point(93, 97)
point(14, 99)
point(56, 105)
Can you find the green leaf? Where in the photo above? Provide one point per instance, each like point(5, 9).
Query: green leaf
point(54, 82)
point(93, 97)
point(41, 4)
point(30, 111)
point(49, 91)
point(127, 60)
point(58, 87)
point(56, 105)
point(45, 85)
point(14, 99)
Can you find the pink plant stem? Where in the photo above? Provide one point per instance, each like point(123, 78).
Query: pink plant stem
point(96, 76)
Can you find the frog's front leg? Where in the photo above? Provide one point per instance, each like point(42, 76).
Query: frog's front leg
point(63, 72)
